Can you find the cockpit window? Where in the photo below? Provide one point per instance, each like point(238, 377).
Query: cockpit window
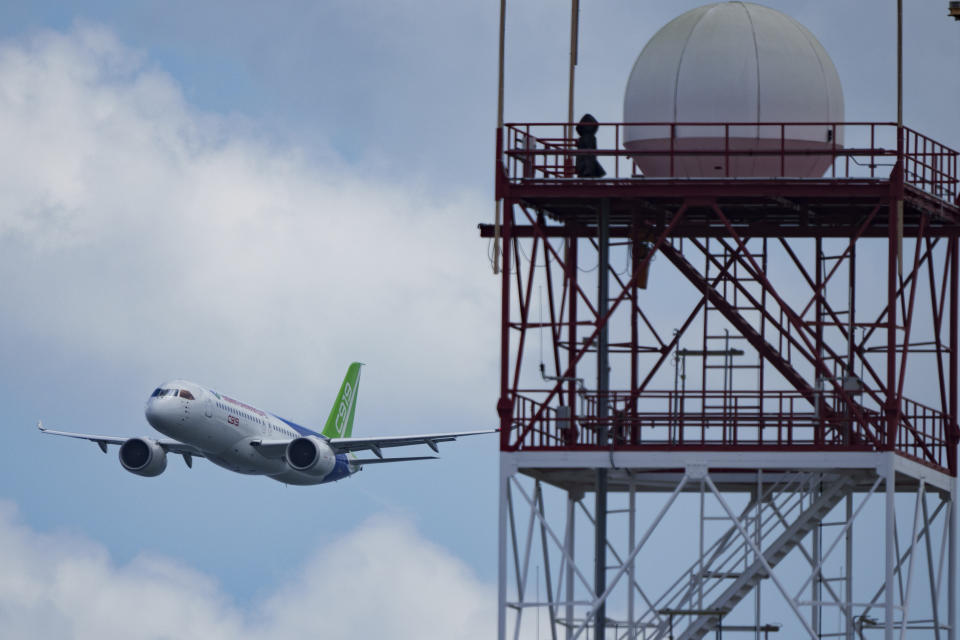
point(186, 394)
point(156, 392)
point(160, 393)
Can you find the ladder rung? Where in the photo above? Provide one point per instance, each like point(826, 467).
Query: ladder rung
point(739, 409)
point(732, 366)
point(740, 254)
point(730, 405)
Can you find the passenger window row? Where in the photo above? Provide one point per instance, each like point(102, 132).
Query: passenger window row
point(244, 414)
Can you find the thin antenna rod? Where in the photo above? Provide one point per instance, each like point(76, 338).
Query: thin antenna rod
point(503, 21)
point(496, 213)
point(899, 63)
point(900, 131)
point(574, 46)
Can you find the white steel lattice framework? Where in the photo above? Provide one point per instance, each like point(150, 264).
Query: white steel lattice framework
point(803, 545)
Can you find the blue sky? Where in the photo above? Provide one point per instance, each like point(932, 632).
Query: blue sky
point(251, 197)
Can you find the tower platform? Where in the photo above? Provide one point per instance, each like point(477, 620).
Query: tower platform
point(735, 472)
point(835, 369)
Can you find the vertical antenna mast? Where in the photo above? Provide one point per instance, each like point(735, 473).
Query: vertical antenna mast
point(574, 35)
point(496, 214)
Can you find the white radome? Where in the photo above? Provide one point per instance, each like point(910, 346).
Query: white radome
point(733, 62)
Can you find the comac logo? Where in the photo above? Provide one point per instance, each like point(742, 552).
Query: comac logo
point(344, 409)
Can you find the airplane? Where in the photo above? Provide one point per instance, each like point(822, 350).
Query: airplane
point(237, 436)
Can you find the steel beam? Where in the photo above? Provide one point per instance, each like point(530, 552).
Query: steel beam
point(603, 387)
point(502, 553)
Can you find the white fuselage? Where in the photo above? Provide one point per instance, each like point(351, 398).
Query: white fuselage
point(223, 428)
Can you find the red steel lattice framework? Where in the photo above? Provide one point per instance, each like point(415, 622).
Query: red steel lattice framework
point(850, 350)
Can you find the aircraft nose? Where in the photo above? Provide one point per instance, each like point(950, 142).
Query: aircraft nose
point(153, 412)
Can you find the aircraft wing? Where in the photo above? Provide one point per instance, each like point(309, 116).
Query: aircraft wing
point(278, 448)
point(364, 461)
point(375, 444)
point(170, 446)
point(271, 448)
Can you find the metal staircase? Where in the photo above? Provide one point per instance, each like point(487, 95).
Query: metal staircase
point(728, 570)
point(731, 299)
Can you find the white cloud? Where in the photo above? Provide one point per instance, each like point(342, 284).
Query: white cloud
point(384, 581)
point(381, 581)
point(138, 230)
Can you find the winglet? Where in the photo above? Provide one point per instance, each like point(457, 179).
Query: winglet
point(40, 425)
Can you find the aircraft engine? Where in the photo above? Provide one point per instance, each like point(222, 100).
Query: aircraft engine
point(311, 455)
point(143, 457)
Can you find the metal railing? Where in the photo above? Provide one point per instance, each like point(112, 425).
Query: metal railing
point(846, 150)
point(767, 419)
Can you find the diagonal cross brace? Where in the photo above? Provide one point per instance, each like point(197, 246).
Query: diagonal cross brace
point(630, 558)
point(788, 540)
point(760, 556)
point(764, 348)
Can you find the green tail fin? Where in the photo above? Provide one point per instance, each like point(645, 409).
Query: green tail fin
point(340, 422)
